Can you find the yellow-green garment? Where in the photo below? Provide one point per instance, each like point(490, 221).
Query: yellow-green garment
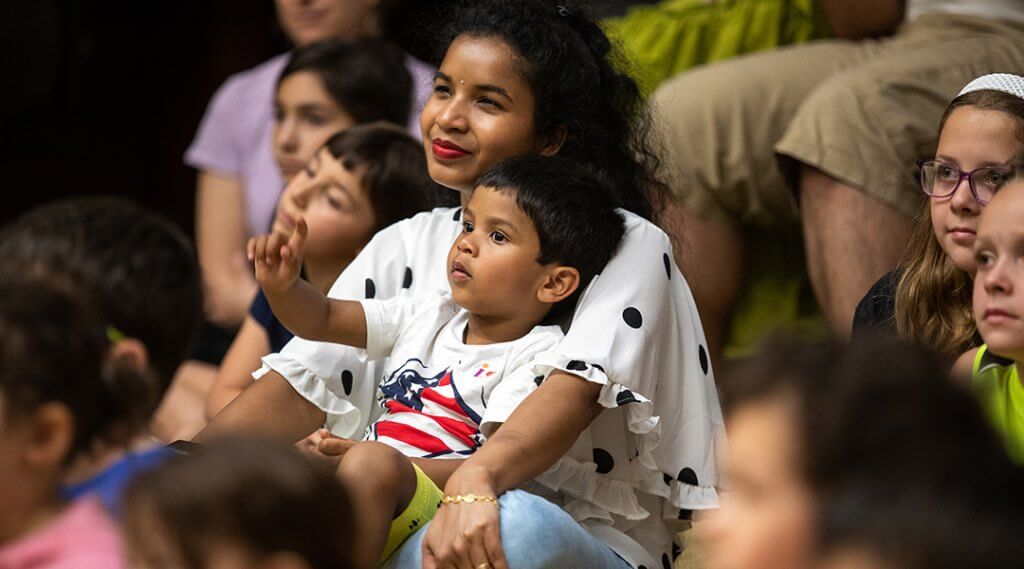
point(996, 382)
point(675, 35)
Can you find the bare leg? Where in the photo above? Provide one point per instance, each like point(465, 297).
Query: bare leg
point(269, 408)
point(851, 240)
point(710, 256)
point(180, 414)
point(381, 482)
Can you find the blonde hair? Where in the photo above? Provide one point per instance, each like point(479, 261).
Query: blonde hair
point(933, 295)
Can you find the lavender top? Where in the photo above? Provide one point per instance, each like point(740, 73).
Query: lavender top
point(235, 136)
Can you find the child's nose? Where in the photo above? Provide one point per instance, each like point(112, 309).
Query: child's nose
point(963, 199)
point(997, 280)
point(300, 190)
point(286, 138)
point(466, 245)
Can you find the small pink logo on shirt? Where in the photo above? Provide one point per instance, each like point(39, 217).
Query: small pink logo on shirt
point(483, 369)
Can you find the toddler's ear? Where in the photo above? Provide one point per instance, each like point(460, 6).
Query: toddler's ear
point(559, 283)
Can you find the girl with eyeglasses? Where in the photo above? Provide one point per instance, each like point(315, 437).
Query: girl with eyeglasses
point(927, 299)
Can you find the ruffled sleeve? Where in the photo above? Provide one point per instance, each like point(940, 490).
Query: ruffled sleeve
point(636, 332)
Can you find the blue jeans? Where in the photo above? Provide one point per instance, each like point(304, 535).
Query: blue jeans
point(535, 534)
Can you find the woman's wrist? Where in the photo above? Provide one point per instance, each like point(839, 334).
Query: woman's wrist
point(471, 479)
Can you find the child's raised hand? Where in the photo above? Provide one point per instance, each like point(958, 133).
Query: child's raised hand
point(278, 258)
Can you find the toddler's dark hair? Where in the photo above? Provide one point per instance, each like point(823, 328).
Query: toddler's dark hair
point(885, 436)
point(572, 208)
point(367, 78)
point(261, 495)
point(135, 267)
point(396, 170)
point(52, 349)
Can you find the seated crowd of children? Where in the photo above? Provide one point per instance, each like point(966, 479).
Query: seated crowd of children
point(901, 449)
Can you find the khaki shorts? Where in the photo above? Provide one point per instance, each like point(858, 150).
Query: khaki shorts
point(862, 112)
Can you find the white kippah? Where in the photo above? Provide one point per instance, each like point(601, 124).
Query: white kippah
point(1005, 82)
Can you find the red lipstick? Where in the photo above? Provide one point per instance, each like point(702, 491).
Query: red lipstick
point(446, 150)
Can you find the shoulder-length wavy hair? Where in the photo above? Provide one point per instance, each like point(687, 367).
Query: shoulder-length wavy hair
point(933, 296)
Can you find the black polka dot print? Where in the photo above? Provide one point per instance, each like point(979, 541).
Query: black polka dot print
point(346, 382)
point(633, 317)
point(604, 461)
point(576, 365)
point(538, 380)
point(625, 397)
point(668, 265)
point(407, 279)
point(687, 476)
point(702, 355)
point(685, 515)
point(641, 567)
point(667, 478)
point(371, 289)
point(458, 215)
point(676, 550)
point(598, 367)
point(665, 562)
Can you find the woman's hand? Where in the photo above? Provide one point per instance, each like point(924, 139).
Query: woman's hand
point(534, 437)
point(465, 535)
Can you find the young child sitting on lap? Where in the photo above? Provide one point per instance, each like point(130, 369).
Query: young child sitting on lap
point(535, 232)
point(999, 312)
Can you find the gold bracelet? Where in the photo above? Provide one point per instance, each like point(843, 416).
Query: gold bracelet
point(469, 499)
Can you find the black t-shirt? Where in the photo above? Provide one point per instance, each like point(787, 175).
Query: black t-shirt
point(876, 311)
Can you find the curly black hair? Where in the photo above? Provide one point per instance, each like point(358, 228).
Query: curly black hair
point(577, 77)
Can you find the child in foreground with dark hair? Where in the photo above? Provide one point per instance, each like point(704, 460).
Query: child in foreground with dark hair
point(52, 372)
point(239, 503)
point(535, 232)
point(827, 442)
point(140, 273)
point(999, 312)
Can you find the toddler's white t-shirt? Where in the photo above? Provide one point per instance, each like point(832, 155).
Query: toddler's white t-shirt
point(440, 396)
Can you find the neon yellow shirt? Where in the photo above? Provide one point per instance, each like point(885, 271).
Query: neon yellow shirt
point(996, 382)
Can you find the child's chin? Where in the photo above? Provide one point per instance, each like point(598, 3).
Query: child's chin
point(1003, 343)
point(461, 297)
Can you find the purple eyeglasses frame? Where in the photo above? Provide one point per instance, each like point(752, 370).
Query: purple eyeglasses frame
point(969, 176)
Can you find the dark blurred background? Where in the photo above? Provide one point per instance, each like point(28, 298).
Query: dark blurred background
point(103, 96)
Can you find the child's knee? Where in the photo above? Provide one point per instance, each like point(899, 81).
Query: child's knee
point(376, 464)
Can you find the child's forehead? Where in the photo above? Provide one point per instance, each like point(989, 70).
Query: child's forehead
point(1006, 210)
point(492, 202)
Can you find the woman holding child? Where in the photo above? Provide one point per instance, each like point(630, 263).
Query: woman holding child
point(621, 431)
